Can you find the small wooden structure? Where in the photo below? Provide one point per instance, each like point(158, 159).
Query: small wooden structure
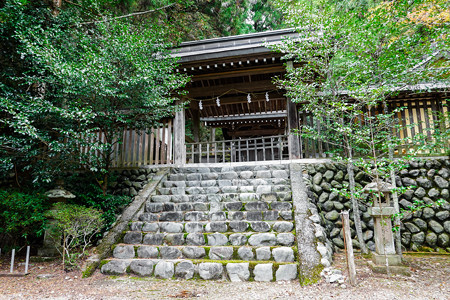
point(232, 88)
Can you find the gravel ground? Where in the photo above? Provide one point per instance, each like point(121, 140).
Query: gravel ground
point(429, 280)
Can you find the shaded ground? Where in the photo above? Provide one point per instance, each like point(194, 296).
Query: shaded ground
point(429, 280)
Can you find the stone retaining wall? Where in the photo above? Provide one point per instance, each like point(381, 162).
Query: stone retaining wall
point(130, 182)
point(425, 230)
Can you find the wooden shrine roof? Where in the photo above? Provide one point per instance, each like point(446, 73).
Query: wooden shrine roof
point(233, 69)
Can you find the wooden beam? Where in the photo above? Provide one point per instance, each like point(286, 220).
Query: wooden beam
point(239, 73)
point(267, 115)
point(260, 132)
point(245, 87)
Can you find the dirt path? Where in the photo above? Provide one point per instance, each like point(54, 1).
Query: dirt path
point(429, 280)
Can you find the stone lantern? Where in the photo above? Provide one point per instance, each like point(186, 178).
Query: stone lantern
point(382, 212)
point(52, 237)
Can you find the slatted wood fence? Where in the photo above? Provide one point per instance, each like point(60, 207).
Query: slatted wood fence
point(140, 147)
point(238, 150)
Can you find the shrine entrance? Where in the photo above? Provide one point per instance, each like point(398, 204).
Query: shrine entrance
point(233, 96)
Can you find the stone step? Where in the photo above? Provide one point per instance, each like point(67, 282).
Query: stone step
point(203, 269)
point(156, 207)
point(246, 253)
point(223, 197)
point(238, 169)
point(215, 189)
point(224, 182)
point(210, 239)
point(213, 226)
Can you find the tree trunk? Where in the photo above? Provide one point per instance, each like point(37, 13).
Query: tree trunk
point(355, 205)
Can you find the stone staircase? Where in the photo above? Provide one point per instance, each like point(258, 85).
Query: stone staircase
point(214, 223)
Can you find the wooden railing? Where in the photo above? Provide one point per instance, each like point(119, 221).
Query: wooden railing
point(239, 150)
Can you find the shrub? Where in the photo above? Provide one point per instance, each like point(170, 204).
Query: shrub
point(21, 217)
point(78, 225)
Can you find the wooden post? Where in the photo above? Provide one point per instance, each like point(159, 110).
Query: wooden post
point(348, 247)
point(179, 137)
point(195, 126)
point(292, 123)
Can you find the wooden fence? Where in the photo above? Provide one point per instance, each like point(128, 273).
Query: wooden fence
point(238, 150)
point(418, 120)
point(422, 117)
point(140, 147)
point(155, 146)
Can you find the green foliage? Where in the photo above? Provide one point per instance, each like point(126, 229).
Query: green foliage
point(69, 81)
point(78, 225)
point(21, 216)
point(89, 194)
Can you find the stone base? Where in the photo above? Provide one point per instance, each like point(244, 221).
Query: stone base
point(397, 270)
point(393, 259)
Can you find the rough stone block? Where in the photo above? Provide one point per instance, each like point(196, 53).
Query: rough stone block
point(271, 215)
point(147, 252)
point(246, 174)
point(115, 267)
point(263, 253)
point(238, 226)
point(286, 272)
point(283, 254)
point(283, 226)
point(168, 252)
point(262, 189)
point(141, 267)
point(210, 270)
point(254, 216)
point(124, 251)
point(195, 216)
point(171, 216)
point(263, 239)
point(246, 253)
point(174, 239)
point(195, 239)
point(257, 206)
point(285, 239)
point(280, 174)
point(193, 252)
point(238, 271)
point(260, 226)
point(263, 272)
point(233, 206)
point(193, 227)
point(220, 253)
point(132, 237)
point(164, 269)
point(281, 206)
point(136, 226)
point(287, 215)
point(217, 216)
point(150, 227)
point(185, 270)
point(238, 239)
point(217, 239)
point(216, 227)
point(236, 215)
point(171, 227)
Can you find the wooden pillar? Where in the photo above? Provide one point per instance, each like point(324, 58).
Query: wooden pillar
point(195, 121)
point(179, 131)
point(292, 123)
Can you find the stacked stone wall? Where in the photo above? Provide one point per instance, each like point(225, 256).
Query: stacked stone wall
point(129, 182)
point(427, 229)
